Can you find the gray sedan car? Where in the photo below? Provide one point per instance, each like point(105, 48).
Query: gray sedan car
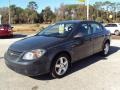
point(55, 48)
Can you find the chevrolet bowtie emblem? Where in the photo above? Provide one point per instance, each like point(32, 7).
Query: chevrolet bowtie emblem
point(12, 54)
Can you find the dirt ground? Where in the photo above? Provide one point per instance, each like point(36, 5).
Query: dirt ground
point(115, 37)
point(28, 28)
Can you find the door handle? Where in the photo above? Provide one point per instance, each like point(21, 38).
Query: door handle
point(75, 44)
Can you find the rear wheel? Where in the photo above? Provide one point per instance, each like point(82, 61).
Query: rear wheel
point(117, 33)
point(60, 66)
point(106, 49)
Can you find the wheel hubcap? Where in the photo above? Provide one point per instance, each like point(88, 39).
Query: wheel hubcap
point(61, 66)
point(106, 49)
point(116, 32)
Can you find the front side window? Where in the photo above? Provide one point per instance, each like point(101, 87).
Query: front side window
point(58, 30)
point(85, 29)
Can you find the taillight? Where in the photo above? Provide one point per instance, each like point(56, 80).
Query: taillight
point(1, 29)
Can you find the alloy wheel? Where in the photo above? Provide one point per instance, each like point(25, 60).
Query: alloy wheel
point(106, 48)
point(61, 65)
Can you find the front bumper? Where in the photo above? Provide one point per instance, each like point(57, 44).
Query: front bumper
point(35, 68)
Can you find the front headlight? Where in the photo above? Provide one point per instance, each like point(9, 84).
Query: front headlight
point(34, 54)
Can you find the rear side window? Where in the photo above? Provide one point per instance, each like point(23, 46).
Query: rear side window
point(111, 25)
point(96, 28)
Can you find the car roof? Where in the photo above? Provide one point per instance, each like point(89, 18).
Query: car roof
point(75, 21)
point(70, 21)
point(114, 23)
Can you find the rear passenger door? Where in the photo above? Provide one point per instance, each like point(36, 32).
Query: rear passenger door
point(85, 48)
point(97, 36)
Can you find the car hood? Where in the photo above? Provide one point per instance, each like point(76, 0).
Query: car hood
point(35, 42)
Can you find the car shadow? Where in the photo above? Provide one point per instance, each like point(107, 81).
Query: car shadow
point(14, 36)
point(1, 58)
point(79, 65)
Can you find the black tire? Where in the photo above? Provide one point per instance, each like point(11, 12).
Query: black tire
point(106, 48)
point(54, 68)
point(12, 36)
point(117, 33)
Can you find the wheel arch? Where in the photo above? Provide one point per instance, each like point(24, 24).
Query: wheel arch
point(116, 30)
point(63, 52)
point(107, 41)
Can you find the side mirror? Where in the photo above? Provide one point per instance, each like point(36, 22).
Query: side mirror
point(79, 35)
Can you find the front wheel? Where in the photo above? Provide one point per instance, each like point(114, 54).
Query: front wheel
point(106, 49)
point(117, 33)
point(60, 66)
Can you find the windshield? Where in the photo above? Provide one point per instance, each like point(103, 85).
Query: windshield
point(58, 30)
point(4, 25)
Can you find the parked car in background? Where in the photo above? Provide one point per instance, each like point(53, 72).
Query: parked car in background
point(55, 48)
point(114, 28)
point(6, 30)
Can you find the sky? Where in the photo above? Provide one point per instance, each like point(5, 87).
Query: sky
point(44, 3)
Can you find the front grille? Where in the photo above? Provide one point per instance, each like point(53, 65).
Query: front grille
point(13, 55)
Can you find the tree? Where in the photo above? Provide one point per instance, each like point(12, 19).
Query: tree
point(32, 5)
point(31, 16)
point(4, 13)
point(100, 11)
point(16, 13)
point(48, 15)
point(32, 13)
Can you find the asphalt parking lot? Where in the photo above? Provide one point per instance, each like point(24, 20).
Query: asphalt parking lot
point(92, 73)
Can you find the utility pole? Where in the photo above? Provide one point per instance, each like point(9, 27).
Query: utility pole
point(0, 18)
point(86, 1)
point(116, 12)
point(87, 9)
point(9, 13)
